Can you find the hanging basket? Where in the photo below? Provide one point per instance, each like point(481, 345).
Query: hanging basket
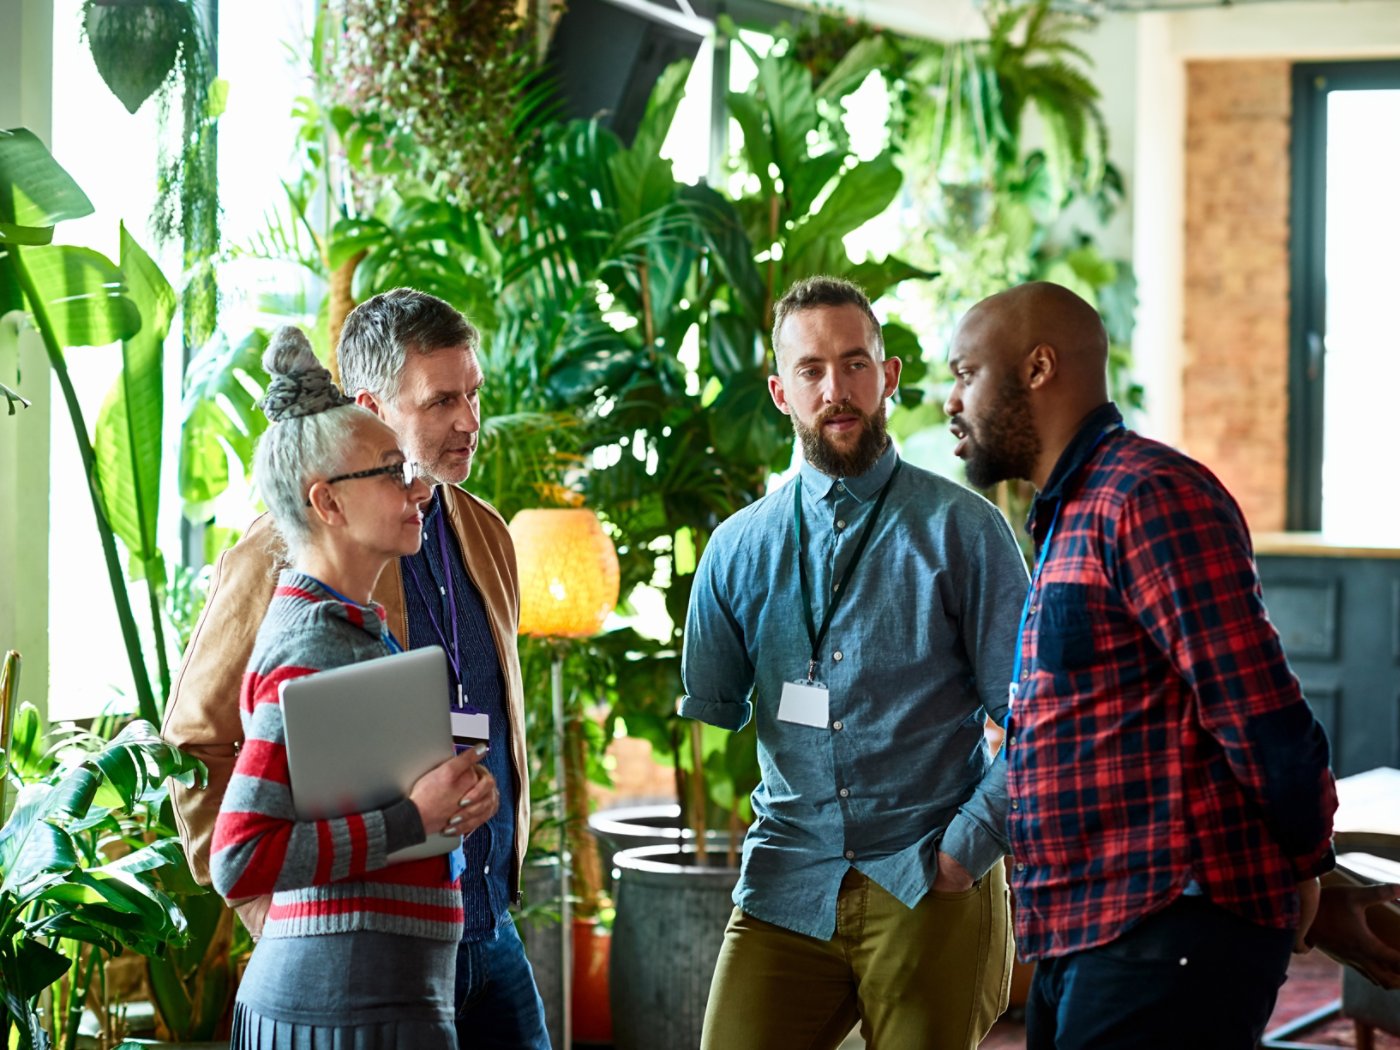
point(134, 44)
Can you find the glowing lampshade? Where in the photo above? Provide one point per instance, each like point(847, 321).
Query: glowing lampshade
point(568, 572)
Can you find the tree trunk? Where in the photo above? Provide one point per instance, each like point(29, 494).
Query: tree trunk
point(341, 304)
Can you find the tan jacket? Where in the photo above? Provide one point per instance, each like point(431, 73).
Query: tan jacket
point(202, 716)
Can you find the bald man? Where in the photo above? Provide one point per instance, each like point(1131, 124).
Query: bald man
point(1170, 796)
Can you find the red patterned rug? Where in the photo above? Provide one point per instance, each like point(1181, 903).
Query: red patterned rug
point(1313, 981)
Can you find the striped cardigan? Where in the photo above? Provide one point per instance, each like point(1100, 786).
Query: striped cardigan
point(325, 876)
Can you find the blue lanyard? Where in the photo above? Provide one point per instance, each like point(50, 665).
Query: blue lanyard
point(1030, 593)
point(390, 641)
point(453, 647)
point(1039, 565)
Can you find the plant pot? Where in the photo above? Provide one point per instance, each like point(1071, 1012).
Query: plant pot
point(671, 915)
point(592, 1007)
point(540, 932)
point(649, 824)
point(134, 44)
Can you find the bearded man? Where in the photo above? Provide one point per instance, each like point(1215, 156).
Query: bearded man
point(1171, 797)
point(863, 614)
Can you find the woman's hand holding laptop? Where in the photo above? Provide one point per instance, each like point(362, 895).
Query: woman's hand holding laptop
point(458, 796)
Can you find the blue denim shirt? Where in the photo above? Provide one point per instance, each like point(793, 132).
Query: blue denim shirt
point(919, 653)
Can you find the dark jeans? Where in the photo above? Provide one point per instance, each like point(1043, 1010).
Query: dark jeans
point(1191, 977)
point(498, 1006)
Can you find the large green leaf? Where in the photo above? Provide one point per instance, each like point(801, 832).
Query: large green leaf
point(745, 426)
point(868, 55)
point(35, 191)
point(811, 178)
point(642, 178)
point(30, 847)
point(127, 443)
point(862, 193)
point(39, 967)
point(730, 250)
point(83, 294)
point(222, 385)
point(785, 88)
point(735, 346)
point(757, 147)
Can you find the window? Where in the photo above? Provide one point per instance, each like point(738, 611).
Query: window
point(1344, 358)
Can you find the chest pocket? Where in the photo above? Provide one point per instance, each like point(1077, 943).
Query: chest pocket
point(1065, 638)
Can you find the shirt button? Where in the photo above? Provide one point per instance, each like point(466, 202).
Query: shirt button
point(1015, 804)
point(486, 870)
point(844, 792)
point(840, 487)
point(1032, 610)
point(838, 655)
point(1020, 867)
point(838, 726)
point(1011, 740)
point(1025, 675)
point(840, 523)
point(850, 854)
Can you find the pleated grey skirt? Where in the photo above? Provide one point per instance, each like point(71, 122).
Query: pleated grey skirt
point(347, 991)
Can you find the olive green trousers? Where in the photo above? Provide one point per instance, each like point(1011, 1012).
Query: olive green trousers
point(934, 977)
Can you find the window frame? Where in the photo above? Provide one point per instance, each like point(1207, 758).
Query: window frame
point(1313, 82)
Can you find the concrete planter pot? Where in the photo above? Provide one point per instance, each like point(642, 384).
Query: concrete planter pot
point(649, 824)
point(671, 915)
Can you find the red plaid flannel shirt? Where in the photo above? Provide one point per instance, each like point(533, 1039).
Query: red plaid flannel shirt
point(1158, 737)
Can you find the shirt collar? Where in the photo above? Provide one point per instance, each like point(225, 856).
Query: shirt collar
point(433, 507)
point(1099, 422)
point(862, 486)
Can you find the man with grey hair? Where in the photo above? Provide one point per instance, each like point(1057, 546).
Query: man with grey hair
point(864, 615)
point(412, 360)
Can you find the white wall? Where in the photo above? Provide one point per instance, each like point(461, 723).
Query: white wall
point(26, 28)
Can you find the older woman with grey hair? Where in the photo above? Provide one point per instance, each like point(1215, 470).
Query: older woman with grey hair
point(354, 953)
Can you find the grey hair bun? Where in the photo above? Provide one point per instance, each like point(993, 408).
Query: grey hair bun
point(300, 386)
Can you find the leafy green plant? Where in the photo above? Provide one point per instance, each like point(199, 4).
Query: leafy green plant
point(66, 894)
point(76, 297)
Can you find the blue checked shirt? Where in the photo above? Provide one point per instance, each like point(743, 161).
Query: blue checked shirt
point(919, 653)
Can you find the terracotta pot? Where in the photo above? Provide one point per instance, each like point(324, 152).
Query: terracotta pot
point(592, 1006)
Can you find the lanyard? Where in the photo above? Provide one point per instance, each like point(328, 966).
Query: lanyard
point(1039, 565)
point(451, 648)
point(815, 635)
point(390, 641)
point(1030, 593)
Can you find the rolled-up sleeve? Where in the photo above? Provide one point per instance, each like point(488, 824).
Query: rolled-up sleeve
point(715, 665)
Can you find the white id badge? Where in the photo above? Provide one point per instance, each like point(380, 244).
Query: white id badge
point(804, 704)
point(470, 725)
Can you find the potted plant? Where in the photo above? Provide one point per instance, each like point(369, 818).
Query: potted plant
point(71, 888)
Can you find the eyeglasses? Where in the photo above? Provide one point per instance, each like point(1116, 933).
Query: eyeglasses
point(403, 474)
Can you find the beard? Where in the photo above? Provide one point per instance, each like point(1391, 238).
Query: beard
point(1003, 445)
point(443, 469)
point(836, 462)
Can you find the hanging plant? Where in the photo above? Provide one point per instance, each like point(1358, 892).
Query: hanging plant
point(134, 44)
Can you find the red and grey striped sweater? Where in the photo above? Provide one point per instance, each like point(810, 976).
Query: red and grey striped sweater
point(325, 876)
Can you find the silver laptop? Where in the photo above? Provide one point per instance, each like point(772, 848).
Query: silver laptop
point(359, 736)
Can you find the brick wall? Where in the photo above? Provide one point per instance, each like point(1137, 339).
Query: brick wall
point(1235, 367)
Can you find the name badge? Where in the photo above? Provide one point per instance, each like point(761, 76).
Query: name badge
point(804, 704)
point(470, 726)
